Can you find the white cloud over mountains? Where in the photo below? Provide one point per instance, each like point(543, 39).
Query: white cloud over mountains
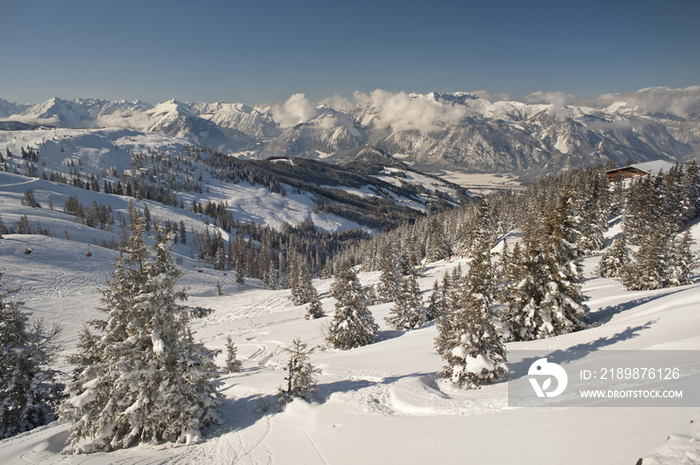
point(683, 102)
point(679, 102)
point(425, 113)
point(400, 111)
point(557, 99)
point(297, 109)
point(412, 112)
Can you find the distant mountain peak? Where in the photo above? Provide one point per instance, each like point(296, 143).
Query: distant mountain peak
point(443, 130)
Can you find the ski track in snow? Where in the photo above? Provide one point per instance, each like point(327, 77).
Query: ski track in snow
point(236, 447)
point(393, 380)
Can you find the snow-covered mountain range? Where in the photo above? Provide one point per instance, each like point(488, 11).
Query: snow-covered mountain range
point(431, 131)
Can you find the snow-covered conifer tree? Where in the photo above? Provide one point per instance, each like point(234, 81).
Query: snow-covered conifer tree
point(614, 260)
point(220, 260)
point(23, 225)
point(562, 308)
point(302, 287)
point(315, 309)
point(300, 373)
point(147, 216)
point(685, 260)
point(269, 276)
point(183, 233)
point(240, 271)
point(233, 365)
point(143, 377)
point(29, 389)
point(390, 279)
point(652, 264)
point(470, 344)
point(353, 324)
point(591, 208)
point(408, 311)
point(29, 200)
point(434, 308)
point(544, 298)
point(522, 291)
point(643, 210)
point(438, 247)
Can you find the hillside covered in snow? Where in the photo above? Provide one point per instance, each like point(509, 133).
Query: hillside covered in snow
point(381, 403)
point(386, 401)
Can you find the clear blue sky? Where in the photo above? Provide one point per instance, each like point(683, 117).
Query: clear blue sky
point(258, 51)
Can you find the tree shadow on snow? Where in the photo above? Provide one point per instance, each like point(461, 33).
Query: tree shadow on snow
point(605, 314)
point(238, 414)
point(577, 352)
point(325, 391)
point(387, 334)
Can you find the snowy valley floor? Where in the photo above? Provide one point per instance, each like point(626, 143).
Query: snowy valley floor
point(382, 403)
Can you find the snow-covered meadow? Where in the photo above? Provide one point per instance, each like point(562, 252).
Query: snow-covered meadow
point(382, 403)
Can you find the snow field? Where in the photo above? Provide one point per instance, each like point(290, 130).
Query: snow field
point(382, 403)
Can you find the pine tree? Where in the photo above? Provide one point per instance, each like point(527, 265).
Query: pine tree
point(29, 389)
point(562, 308)
point(29, 200)
point(652, 264)
point(148, 380)
point(208, 247)
point(434, 308)
point(685, 260)
point(543, 294)
point(23, 225)
point(183, 233)
point(353, 324)
point(590, 210)
point(147, 216)
point(315, 309)
point(220, 260)
point(240, 273)
point(408, 312)
point(269, 277)
point(613, 262)
point(390, 278)
point(521, 291)
point(643, 210)
point(233, 365)
point(691, 192)
point(467, 337)
point(219, 292)
point(438, 248)
point(302, 287)
point(300, 373)
point(282, 272)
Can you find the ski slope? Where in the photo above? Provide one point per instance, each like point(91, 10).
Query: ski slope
point(382, 403)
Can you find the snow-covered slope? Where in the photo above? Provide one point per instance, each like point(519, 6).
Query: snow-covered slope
point(108, 153)
point(382, 403)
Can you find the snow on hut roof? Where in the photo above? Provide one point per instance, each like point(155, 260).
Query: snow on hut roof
point(653, 167)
